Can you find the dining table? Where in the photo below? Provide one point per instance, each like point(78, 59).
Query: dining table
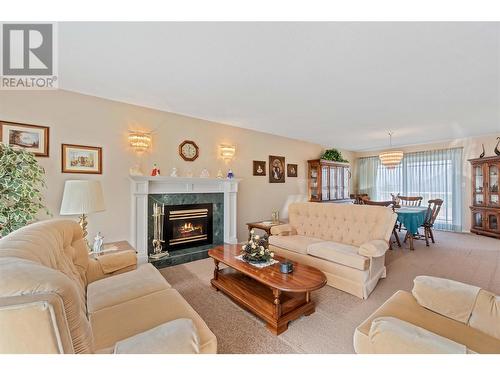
point(412, 218)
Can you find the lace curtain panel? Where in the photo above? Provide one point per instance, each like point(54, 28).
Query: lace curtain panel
point(430, 174)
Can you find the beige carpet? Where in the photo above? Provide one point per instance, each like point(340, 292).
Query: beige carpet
point(463, 257)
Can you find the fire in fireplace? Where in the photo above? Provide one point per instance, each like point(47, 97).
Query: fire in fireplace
point(188, 225)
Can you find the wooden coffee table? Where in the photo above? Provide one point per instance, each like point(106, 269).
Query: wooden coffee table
point(275, 297)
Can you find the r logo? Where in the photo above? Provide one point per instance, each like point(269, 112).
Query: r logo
point(27, 49)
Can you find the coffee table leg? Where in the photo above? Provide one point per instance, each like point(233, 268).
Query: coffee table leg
point(216, 270)
point(277, 303)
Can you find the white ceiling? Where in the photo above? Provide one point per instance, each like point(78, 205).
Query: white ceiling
point(337, 84)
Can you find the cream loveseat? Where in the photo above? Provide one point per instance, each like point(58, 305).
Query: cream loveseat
point(346, 242)
point(54, 298)
point(439, 316)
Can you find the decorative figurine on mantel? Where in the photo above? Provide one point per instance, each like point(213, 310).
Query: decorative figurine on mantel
point(205, 173)
point(230, 173)
point(156, 170)
point(219, 174)
point(135, 171)
point(174, 172)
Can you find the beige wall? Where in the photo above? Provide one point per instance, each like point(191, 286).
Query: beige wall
point(86, 120)
point(472, 149)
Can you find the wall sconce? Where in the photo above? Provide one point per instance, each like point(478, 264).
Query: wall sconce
point(139, 141)
point(227, 152)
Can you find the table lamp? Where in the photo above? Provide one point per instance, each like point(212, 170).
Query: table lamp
point(82, 197)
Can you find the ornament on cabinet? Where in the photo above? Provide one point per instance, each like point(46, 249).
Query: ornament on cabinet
point(230, 173)
point(219, 174)
point(174, 172)
point(205, 173)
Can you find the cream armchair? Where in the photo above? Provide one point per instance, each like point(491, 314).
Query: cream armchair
point(55, 299)
point(438, 316)
point(346, 242)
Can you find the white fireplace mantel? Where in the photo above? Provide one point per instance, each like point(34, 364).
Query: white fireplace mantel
point(142, 186)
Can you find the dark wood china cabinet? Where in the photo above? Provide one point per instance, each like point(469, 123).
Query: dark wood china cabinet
point(485, 208)
point(328, 181)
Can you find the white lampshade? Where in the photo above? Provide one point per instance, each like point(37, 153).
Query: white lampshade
point(82, 197)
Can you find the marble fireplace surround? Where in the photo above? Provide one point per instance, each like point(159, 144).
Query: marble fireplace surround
point(144, 186)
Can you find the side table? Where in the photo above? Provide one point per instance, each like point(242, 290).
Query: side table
point(263, 225)
point(114, 247)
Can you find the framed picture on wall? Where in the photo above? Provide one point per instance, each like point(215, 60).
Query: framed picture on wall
point(259, 168)
point(81, 159)
point(276, 169)
point(291, 170)
point(34, 138)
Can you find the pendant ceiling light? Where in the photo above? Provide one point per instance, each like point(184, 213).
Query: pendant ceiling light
point(392, 158)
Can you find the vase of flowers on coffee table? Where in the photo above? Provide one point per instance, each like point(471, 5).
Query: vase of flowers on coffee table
point(256, 251)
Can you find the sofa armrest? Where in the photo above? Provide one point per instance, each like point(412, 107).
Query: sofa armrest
point(390, 335)
point(111, 264)
point(175, 337)
point(450, 298)
point(283, 230)
point(373, 249)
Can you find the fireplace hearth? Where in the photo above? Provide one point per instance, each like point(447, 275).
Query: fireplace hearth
point(188, 225)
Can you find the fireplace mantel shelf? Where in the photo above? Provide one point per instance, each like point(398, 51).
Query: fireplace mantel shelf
point(142, 186)
point(197, 180)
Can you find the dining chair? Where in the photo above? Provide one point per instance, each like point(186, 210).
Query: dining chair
point(409, 201)
point(432, 213)
point(384, 204)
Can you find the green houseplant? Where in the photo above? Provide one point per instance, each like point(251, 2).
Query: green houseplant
point(334, 155)
point(21, 182)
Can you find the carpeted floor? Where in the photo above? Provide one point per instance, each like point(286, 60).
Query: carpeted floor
point(464, 257)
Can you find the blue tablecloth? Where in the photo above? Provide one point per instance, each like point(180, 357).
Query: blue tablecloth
point(411, 217)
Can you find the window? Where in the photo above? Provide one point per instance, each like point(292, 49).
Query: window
point(430, 174)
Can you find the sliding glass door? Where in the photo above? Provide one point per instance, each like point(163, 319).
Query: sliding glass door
point(429, 174)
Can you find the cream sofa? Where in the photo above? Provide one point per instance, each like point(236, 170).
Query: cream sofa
point(54, 298)
point(439, 316)
point(346, 242)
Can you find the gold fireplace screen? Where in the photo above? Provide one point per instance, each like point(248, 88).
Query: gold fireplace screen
point(187, 226)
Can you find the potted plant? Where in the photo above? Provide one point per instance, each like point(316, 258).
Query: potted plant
point(333, 155)
point(21, 182)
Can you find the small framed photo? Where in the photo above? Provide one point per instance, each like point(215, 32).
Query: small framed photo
point(81, 159)
point(291, 170)
point(259, 168)
point(33, 138)
point(276, 169)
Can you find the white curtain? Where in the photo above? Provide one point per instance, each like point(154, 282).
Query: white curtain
point(430, 174)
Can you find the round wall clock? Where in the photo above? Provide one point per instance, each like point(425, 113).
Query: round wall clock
point(188, 150)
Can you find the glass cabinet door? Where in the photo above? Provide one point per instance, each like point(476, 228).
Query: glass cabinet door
point(478, 186)
point(493, 185)
point(339, 182)
point(492, 222)
point(333, 178)
point(325, 191)
point(477, 219)
point(313, 182)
